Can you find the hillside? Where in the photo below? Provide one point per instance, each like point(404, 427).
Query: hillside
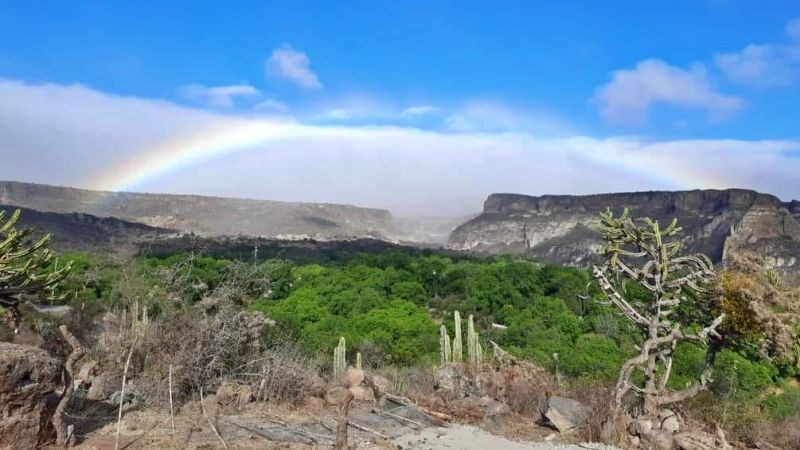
point(558, 228)
point(85, 232)
point(210, 216)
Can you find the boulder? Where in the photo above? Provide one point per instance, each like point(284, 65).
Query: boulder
point(227, 393)
point(363, 394)
point(564, 413)
point(103, 385)
point(353, 377)
point(335, 395)
point(29, 377)
point(382, 383)
point(246, 394)
point(496, 415)
point(87, 372)
point(669, 421)
point(698, 440)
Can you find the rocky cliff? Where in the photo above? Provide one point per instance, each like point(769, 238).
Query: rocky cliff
point(559, 228)
point(210, 216)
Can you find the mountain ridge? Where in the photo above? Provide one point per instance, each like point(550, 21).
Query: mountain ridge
point(560, 228)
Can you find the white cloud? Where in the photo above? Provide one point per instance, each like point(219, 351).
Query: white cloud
point(219, 96)
point(74, 135)
point(419, 110)
point(487, 115)
point(630, 94)
point(292, 65)
point(271, 105)
point(793, 28)
point(764, 65)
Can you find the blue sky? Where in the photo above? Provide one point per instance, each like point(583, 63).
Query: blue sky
point(713, 70)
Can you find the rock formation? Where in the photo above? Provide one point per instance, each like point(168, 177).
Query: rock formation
point(30, 378)
point(560, 228)
point(210, 216)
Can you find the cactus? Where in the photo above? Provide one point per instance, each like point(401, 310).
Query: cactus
point(458, 353)
point(340, 358)
point(445, 354)
point(474, 349)
point(358, 360)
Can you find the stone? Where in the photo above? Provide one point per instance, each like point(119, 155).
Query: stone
point(227, 393)
point(353, 377)
point(564, 413)
point(88, 371)
point(695, 440)
point(335, 395)
point(246, 394)
point(102, 387)
point(382, 383)
point(643, 426)
point(362, 393)
point(669, 422)
point(496, 415)
point(29, 377)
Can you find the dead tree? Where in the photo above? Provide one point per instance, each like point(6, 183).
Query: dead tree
point(642, 252)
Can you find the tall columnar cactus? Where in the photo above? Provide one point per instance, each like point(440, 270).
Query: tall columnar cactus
point(474, 349)
point(472, 339)
point(445, 354)
point(458, 353)
point(340, 358)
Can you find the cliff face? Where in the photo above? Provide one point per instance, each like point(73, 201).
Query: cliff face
point(559, 228)
point(210, 216)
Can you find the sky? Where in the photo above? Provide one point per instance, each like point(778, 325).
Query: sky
point(421, 107)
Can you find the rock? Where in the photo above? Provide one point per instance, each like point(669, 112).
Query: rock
point(363, 394)
point(353, 377)
point(643, 426)
point(669, 421)
point(29, 377)
point(227, 393)
point(559, 228)
point(246, 394)
point(88, 371)
point(130, 398)
point(103, 385)
point(496, 416)
point(564, 413)
point(335, 395)
point(695, 440)
point(382, 383)
point(313, 404)
point(661, 440)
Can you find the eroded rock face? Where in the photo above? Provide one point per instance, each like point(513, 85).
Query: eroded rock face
point(559, 228)
point(29, 377)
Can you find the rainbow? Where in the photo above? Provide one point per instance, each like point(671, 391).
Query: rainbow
point(237, 135)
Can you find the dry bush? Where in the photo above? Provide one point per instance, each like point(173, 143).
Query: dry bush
point(526, 397)
point(596, 397)
point(412, 382)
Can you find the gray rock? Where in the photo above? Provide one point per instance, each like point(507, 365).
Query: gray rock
point(29, 377)
point(563, 413)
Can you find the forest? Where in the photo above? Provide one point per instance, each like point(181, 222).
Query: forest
point(389, 307)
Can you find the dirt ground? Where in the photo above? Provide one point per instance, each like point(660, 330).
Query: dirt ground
point(267, 426)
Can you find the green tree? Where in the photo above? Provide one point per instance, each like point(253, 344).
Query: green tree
point(27, 267)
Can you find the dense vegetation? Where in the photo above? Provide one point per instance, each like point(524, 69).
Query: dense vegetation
point(389, 307)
